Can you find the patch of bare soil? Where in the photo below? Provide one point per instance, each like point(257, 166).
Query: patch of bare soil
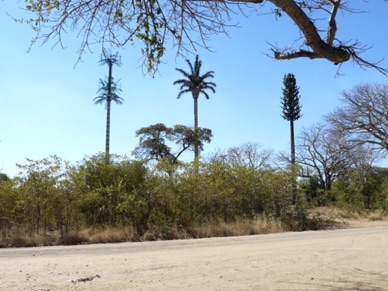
point(341, 259)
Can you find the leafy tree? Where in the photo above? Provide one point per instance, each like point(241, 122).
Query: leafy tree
point(363, 115)
point(108, 93)
point(195, 83)
point(154, 22)
point(10, 207)
point(45, 199)
point(291, 107)
point(3, 177)
point(152, 144)
point(313, 191)
point(362, 191)
point(189, 138)
point(111, 194)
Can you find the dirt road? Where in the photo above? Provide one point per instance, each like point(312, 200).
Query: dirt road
point(345, 259)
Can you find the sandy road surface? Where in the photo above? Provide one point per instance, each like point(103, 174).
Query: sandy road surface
point(346, 259)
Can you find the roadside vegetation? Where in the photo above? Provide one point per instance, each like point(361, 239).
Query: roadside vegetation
point(53, 202)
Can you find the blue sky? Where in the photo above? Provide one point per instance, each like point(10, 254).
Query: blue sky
point(47, 97)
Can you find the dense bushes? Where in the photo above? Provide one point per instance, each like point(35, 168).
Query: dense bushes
point(359, 191)
point(108, 193)
point(52, 197)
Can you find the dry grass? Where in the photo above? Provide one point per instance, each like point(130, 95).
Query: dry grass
point(345, 218)
point(261, 225)
point(109, 235)
point(318, 218)
point(377, 215)
point(21, 237)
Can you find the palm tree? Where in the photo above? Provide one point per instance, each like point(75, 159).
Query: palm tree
point(108, 93)
point(195, 83)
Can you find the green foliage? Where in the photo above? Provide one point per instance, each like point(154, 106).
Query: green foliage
point(11, 206)
point(3, 177)
point(45, 195)
point(194, 82)
point(358, 191)
point(312, 189)
point(141, 20)
point(50, 195)
point(108, 191)
point(191, 194)
point(348, 195)
point(152, 144)
point(154, 138)
point(290, 101)
point(216, 191)
point(381, 198)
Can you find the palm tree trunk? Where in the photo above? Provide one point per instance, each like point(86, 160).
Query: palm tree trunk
point(108, 103)
point(293, 169)
point(196, 150)
point(107, 133)
point(292, 142)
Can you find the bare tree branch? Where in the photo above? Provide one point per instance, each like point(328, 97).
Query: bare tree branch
point(250, 155)
point(188, 24)
point(363, 115)
point(328, 153)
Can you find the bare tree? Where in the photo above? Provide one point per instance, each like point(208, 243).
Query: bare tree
point(191, 24)
point(249, 154)
point(328, 154)
point(363, 116)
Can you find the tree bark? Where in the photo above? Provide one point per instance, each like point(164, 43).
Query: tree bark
point(320, 49)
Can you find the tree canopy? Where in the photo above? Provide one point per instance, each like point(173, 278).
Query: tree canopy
point(189, 24)
point(194, 82)
point(3, 177)
point(153, 141)
point(363, 115)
